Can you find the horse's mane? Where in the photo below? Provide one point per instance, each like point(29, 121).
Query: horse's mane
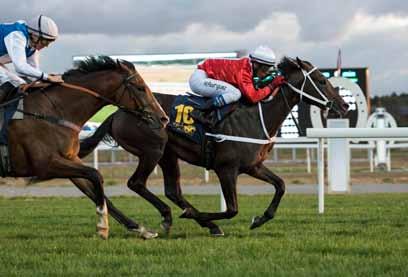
point(285, 61)
point(97, 63)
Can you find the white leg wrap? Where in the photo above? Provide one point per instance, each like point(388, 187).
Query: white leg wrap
point(103, 222)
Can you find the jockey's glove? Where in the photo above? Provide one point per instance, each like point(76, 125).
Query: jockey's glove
point(277, 82)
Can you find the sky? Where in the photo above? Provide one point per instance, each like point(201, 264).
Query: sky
point(370, 33)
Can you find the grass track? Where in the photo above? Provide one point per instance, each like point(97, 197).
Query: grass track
point(359, 235)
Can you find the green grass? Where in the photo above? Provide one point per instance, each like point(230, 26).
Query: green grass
point(359, 235)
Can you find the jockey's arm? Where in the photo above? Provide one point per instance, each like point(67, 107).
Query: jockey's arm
point(15, 43)
point(34, 60)
point(246, 86)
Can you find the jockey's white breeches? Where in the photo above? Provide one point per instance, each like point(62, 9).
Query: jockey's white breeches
point(202, 85)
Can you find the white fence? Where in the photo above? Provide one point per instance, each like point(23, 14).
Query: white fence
point(347, 133)
point(308, 144)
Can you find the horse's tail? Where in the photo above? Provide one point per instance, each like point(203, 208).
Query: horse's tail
point(90, 143)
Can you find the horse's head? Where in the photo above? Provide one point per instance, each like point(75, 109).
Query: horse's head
point(311, 85)
point(120, 84)
point(140, 93)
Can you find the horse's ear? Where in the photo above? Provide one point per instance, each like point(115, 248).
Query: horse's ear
point(299, 61)
point(293, 62)
point(122, 65)
point(118, 63)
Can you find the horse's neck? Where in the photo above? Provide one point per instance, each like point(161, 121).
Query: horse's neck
point(77, 106)
point(276, 111)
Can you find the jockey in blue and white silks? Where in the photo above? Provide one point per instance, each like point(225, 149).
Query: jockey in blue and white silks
point(20, 43)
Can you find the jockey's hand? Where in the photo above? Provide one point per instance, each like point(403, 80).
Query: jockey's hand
point(277, 82)
point(55, 78)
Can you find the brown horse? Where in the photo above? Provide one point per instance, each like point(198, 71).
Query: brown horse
point(231, 158)
point(45, 143)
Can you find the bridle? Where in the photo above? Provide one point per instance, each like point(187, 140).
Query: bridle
point(306, 75)
point(141, 111)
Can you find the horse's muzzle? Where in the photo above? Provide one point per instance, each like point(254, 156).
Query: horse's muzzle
point(341, 110)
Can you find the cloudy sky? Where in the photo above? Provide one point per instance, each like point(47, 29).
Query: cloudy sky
point(370, 33)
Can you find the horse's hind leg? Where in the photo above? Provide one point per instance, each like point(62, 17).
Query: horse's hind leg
point(228, 179)
point(89, 190)
point(264, 174)
point(137, 183)
point(60, 167)
point(171, 174)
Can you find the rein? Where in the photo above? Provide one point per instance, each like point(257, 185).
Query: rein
point(140, 112)
point(291, 114)
point(91, 92)
point(65, 123)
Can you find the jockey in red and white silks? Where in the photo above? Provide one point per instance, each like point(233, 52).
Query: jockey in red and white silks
point(226, 80)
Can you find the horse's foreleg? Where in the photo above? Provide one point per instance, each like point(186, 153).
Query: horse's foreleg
point(60, 167)
point(171, 175)
point(264, 174)
point(137, 183)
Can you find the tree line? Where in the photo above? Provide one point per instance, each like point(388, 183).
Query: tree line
point(395, 104)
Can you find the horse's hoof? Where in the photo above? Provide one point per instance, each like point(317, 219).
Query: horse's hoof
point(103, 233)
point(256, 222)
point(149, 235)
point(216, 232)
point(166, 226)
point(187, 213)
point(146, 234)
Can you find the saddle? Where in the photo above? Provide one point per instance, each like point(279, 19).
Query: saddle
point(186, 116)
point(184, 122)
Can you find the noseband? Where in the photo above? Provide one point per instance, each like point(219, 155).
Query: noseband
point(306, 75)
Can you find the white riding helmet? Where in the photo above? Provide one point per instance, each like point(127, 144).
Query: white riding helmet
point(263, 54)
point(44, 27)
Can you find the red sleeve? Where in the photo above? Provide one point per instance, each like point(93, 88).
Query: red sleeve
point(246, 86)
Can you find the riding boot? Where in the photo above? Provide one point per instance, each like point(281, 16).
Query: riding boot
point(6, 90)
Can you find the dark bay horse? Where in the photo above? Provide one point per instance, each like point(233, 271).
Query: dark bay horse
point(231, 158)
point(45, 143)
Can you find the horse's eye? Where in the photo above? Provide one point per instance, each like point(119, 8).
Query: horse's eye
point(322, 82)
